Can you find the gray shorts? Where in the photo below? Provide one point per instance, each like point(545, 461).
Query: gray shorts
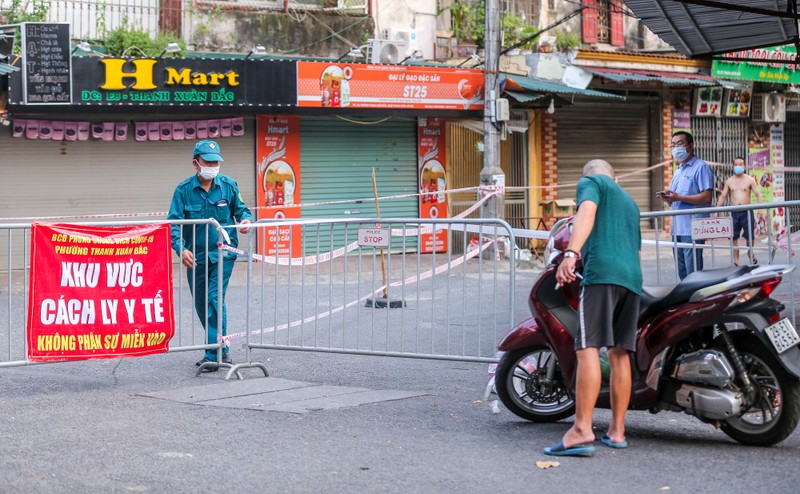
point(607, 317)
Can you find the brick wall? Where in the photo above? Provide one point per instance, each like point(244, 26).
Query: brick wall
point(667, 152)
point(667, 133)
point(549, 157)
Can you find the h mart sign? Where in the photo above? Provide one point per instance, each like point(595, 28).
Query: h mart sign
point(142, 75)
point(708, 228)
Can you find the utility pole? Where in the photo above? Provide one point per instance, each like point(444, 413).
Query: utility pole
point(491, 174)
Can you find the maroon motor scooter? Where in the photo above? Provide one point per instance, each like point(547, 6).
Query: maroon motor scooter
point(714, 346)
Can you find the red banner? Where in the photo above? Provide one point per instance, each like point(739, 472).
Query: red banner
point(99, 292)
point(278, 179)
point(432, 180)
point(322, 84)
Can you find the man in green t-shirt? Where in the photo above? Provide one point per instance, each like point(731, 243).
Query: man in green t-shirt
point(606, 235)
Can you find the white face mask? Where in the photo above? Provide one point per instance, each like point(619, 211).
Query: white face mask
point(208, 172)
point(680, 154)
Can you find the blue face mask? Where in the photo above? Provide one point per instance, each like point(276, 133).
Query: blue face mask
point(680, 154)
point(738, 170)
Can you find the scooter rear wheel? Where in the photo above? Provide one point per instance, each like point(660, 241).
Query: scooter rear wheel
point(776, 412)
point(530, 385)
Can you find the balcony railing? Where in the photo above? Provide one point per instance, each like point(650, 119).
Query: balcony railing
point(91, 19)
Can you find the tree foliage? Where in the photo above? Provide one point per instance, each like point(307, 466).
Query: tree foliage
point(138, 42)
point(19, 12)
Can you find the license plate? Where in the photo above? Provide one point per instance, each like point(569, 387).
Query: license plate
point(782, 335)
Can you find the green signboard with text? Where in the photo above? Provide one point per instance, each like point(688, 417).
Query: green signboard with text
point(773, 68)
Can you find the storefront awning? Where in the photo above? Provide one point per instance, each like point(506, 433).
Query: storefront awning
point(540, 87)
point(666, 78)
point(524, 97)
point(7, 69)
point(708, 27)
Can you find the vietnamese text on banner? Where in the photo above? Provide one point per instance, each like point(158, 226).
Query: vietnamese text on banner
point(99, 292)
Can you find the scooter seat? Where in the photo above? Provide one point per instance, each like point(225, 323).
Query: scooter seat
point(654, 299)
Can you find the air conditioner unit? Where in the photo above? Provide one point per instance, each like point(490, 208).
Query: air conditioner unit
point(385, 51)
point(768, 107)
point(407, 36)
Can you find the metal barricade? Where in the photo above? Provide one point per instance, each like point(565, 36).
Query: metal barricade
point(774, 242)
point(15, 275)
point(344, 298)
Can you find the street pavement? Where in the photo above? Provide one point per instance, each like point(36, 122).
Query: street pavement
point(150, 425)
point(86, 427)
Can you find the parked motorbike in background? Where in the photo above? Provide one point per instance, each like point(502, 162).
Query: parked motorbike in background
point(713, 346)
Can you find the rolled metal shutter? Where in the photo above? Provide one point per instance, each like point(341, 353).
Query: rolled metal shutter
point(337, 158)
point(720, 140)
point(76, 178)
point(617, 133)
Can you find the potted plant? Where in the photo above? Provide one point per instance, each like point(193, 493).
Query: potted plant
point(566, 40)
point(515, 30)
point(467, 18)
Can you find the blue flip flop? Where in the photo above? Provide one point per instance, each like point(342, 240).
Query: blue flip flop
point(577, 450)
point(608, 442)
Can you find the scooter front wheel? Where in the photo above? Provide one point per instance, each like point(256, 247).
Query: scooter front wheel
point(530, 385)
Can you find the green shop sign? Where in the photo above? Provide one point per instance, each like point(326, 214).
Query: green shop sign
point(772, 69)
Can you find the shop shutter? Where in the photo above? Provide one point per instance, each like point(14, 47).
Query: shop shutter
point(64, 181)
point(617, 23)
point(720, 140)
point(337, 156)
point(589, 21)
point(76, 178)
point(617, 133)
point(465, 164)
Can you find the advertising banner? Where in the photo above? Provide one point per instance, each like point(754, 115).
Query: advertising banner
point(99, 292)
point(140, 84)
point(776, 149)
point(341, 85)
point(763, 156)
point(46, 65)
point(432, 180)
point(278, 179)
point(772, 69)
point(681, 120)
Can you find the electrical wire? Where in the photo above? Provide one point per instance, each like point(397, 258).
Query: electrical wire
point(295, 15)
point(326, 26)
point(346, 28)
point(540, 32)
point(359, 122)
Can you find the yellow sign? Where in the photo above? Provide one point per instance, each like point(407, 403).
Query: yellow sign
point(143, 76)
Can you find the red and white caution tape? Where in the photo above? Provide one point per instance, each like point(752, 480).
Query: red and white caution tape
point(328, 256)
point(411, 279)
point(481, 189)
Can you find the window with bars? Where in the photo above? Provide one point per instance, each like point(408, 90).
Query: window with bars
point(602, 21)
point(525, 9)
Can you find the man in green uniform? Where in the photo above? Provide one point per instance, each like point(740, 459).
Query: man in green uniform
point(606, 235)
point(207, 194)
